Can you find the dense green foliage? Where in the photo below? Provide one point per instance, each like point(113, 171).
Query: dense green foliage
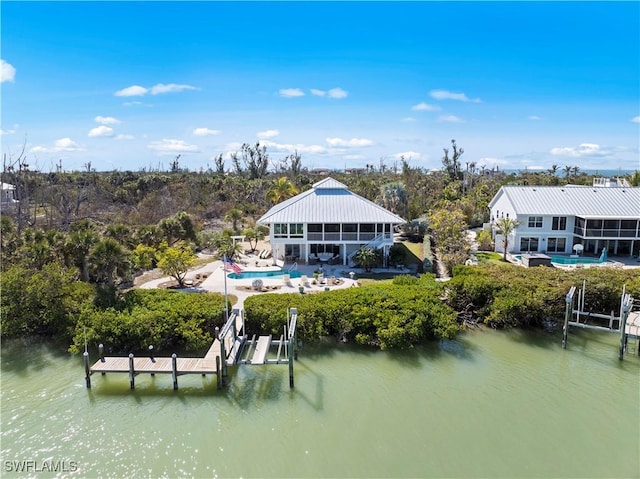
point(168, 320)
point(394, 314)
point(73, 245)
point(47, 301)
point(505, 295)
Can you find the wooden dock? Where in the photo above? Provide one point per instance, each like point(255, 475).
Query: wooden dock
point(228, 348)
point(155, 366)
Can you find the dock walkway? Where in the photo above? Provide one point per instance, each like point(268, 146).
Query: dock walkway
point(226, 350)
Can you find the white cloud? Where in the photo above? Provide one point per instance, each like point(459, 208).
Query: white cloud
point(354, 157)
point(101, 130)
point(170, 88)
point(205, 132)
point(265, 135)
point(170, 146)
point(235, 146)
point(450, 119)
point(7, 132)
point(337, 93)
point(125, 137)
point(106, 120)
point(636, 119)
point(134, 90)
point(290, 92)
point(7, 72)
point(160, 88)
point(63, 144)
point(132, 103)
point(290, 148)
point(534, 117)
point(425, 107)
point(490, 161)
point(408, 119)
point(577, 152)
point(449, 95)
point(353, 142)
point(407, 155)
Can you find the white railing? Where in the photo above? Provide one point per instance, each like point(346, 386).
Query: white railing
point(373, 244)
point(293, 267)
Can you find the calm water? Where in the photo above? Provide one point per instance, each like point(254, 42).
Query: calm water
point(491, 404)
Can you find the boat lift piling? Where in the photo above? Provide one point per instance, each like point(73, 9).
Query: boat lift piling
point(628, 321)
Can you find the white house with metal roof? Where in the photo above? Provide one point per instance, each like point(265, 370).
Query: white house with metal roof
point(328, 224)
point(552, 219)
point(7, 195)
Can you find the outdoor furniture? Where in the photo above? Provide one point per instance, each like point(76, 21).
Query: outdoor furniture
point(304, 280)
point(286, 279)
point(334, 260)
point(325, 257)
point(313, 259)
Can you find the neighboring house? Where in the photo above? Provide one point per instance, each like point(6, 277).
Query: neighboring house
point(552, 219)
point(328, 223)
point(8, 198)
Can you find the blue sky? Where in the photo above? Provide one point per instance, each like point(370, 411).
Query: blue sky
point(131, 85)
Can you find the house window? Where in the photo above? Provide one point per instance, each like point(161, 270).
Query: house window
point(292, 251)
point(556, 245)
point(296, 230)
point(559, 223)
point(535, 221)
point(280, 230)
point(350, 232)
point(528, 244)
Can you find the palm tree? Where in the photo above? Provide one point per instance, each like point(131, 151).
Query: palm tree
point(282, 189)
point(574, 170)
point(77, 248)
point(109, 260)
point(234, 215)
point(505, 227)
point(394, 198)
point(225, 246)
point(366, 258)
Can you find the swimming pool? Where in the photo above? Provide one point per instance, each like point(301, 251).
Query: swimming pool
point(264, 274)
point(567, 260)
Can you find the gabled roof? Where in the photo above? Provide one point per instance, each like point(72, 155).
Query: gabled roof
point(329, 201)
point(583, 201)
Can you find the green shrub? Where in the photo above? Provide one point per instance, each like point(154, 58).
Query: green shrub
point(400, 314)
point(168, 320)
point(507, 295)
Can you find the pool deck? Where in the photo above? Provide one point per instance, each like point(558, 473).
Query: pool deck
point(214, 281)
point(621, 262)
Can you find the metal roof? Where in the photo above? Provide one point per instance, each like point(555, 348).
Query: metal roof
point(329, 201)
point(583, 201)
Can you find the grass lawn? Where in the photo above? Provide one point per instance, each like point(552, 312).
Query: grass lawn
point(489, 257)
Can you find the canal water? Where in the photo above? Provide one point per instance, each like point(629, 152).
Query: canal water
point(490, 404)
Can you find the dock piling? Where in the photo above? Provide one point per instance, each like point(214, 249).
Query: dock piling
point(87, 369)
point(101, 351)
point(132, 372)
point(174, 370)
point(567, 315)
point(218, 378)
